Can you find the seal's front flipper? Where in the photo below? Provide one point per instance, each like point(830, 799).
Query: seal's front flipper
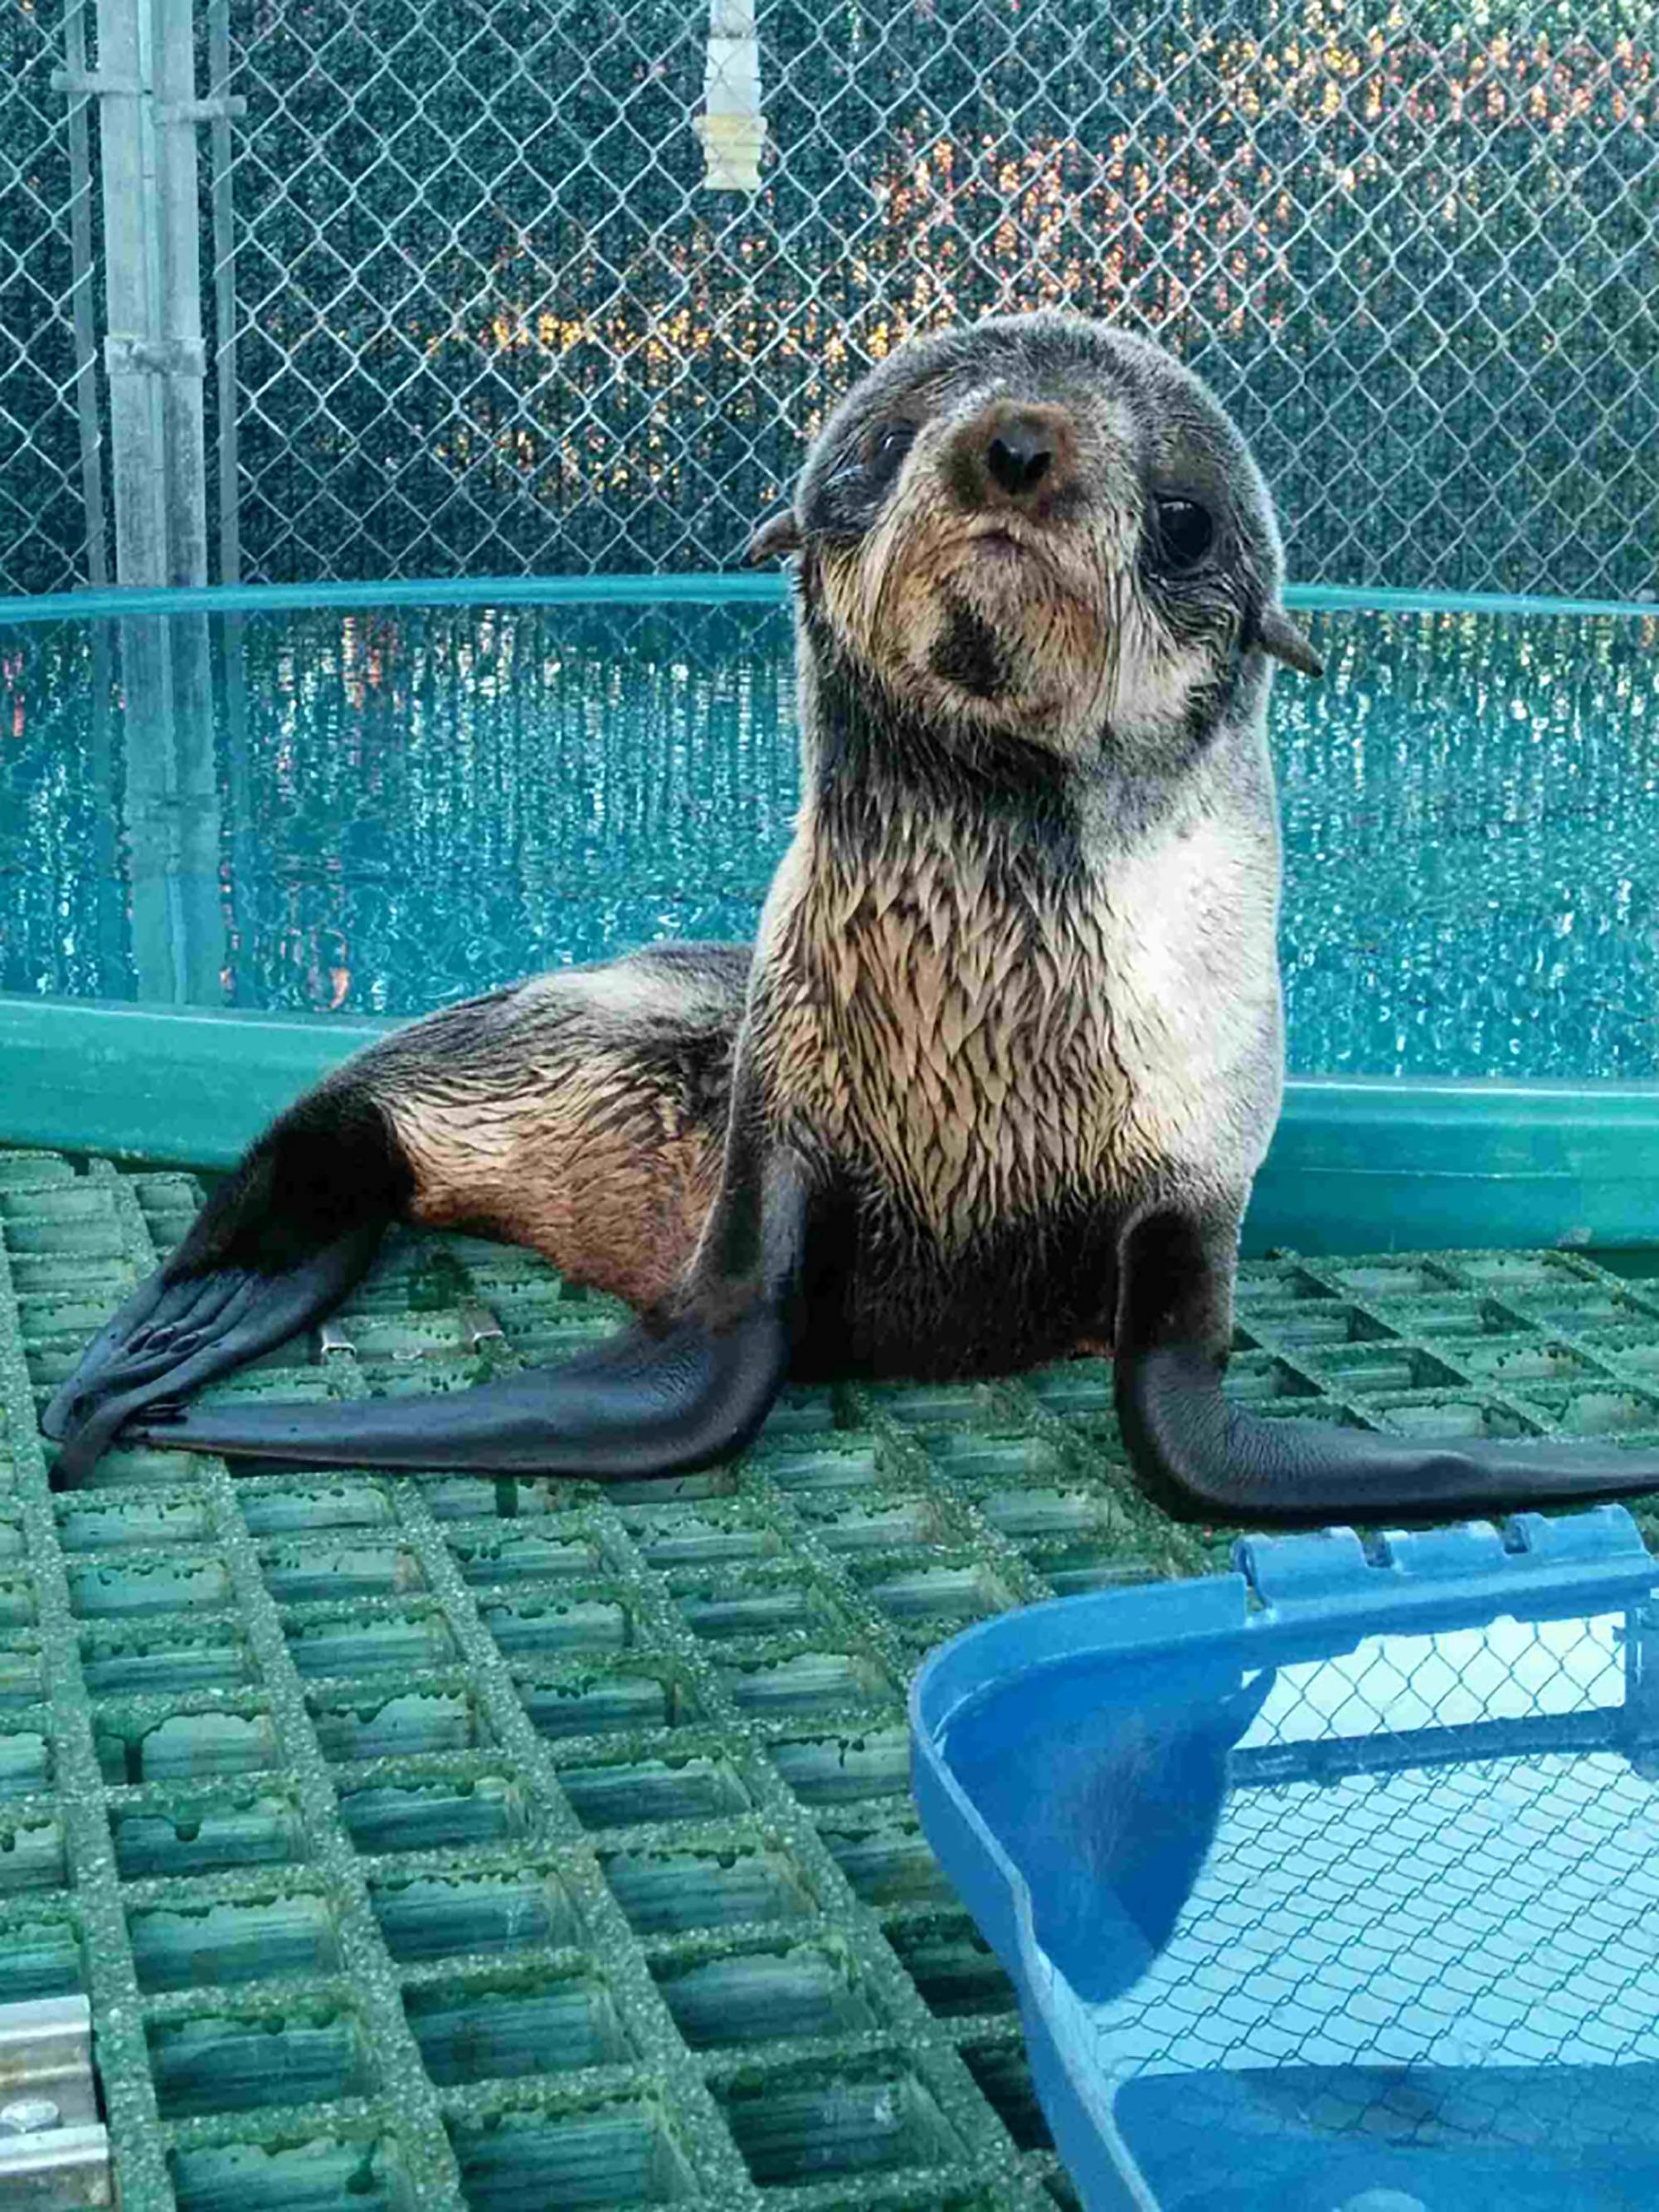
point(660, 1398)
point(277, 1246)
point(1186, 1438)
point(647, 1402)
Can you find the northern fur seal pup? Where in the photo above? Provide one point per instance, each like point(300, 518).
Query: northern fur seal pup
point(996, 1076)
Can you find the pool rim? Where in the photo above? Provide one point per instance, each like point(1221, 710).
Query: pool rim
point(1358, 1163)
point(700, 587)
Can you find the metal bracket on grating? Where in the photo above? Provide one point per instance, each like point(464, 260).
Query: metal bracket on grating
point(478, 1326)
point(54, 2150)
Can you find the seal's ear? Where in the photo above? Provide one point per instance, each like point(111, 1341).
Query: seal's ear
point(773, 539)
point(1277, 633)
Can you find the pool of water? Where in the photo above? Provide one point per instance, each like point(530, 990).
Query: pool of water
point(381, 809)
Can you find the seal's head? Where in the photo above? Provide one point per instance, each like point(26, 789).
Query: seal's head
point(1041, 528)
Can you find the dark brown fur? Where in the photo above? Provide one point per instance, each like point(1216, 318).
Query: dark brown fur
point(582, 1115)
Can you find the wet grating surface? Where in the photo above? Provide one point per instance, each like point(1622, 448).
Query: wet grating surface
point(448, 1843)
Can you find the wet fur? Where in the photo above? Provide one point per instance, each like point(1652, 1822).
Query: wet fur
point(979, 1035)
point(984, 1040)
point(1016, 978)
point(1015, 985)
point(581, 1114)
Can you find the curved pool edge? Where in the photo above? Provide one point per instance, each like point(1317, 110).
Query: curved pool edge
point(698, 587)
point(1374, 1164)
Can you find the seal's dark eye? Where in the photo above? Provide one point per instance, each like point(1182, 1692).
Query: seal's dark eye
point(890, 447)
point(1182, 533)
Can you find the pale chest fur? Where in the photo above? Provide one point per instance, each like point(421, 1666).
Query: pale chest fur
point(996, 1049)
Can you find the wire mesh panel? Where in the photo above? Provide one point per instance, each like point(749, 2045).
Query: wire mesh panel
point(51, 520)
point(490, 296)
point(490, 318)
point(1422, 1929)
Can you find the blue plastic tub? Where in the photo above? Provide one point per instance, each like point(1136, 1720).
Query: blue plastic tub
point(1331, 1884)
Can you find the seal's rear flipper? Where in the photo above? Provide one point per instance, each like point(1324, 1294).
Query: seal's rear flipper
point(276, 1247)
point(647, 1402)
point(175, 1335)
point(1186, 1438)
point(656, 1398)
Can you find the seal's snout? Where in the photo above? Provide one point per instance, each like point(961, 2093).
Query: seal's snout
point(1019, 458)
point(1013, 455)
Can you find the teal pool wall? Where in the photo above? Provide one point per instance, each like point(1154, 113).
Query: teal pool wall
point(1360, 1163)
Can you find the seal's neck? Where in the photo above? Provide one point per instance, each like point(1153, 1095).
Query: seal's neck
point(874, 767)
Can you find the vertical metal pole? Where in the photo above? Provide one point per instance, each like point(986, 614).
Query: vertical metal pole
point(172, 811)
point(133, 357)
point(131, 291)
point(86, 336)
point(154, 363)
point(195, 909)
point(224, 290)
point(153, 351)
point(177, 238)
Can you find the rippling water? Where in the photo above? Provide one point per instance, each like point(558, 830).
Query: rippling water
point(381, 811)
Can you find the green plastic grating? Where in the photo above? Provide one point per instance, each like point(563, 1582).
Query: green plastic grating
point(513, 1844)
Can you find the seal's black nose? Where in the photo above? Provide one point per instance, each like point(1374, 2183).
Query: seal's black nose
point(1015, 453)
point(1019, 456)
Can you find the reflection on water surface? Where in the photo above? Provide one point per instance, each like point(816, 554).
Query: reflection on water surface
point(380, 810)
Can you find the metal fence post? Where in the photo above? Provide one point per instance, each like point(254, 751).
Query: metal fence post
point(153, 353)
point(131, 289)
point(178, 223)
point(155, 362)
point(224, 286)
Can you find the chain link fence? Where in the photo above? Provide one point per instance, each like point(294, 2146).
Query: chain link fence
point(1423, 1926)
point(488, 318)
point(52, 495)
